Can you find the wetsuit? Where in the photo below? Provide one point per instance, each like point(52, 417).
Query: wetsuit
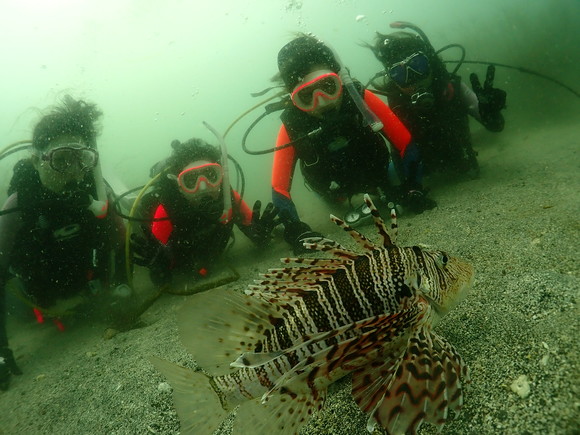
point(54, 244)
point(340, 158)
point(442, 130)
point(193, 238)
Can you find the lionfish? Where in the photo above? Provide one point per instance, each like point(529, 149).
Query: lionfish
point(275, 350)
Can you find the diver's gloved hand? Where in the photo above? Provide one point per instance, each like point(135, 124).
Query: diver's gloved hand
point(261, 227)
point(491, 100)
point(151, 253)
point(296, 232)
point(417, 201)
point(7, 367)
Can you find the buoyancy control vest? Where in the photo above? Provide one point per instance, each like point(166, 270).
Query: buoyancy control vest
point(344, 157)
point(61, 245)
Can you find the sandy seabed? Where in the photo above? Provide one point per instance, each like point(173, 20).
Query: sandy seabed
point(518, 224)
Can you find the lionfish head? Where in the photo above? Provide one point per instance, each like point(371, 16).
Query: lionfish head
point(442, 280)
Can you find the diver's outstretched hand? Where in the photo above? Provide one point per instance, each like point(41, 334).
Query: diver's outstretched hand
point(491, 100)
point(261, 226)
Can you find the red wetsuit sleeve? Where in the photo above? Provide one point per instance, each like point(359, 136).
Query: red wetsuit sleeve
point(245, 211)
point(393, 128)
point(284, 163)
point(161, 229)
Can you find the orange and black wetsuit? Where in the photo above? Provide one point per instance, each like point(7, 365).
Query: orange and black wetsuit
point(341, 158)
point(194, 238)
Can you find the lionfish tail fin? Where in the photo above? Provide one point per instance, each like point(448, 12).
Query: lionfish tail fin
point(389, 237)
point(422, 385)
point(198, 405)
point(282, 414)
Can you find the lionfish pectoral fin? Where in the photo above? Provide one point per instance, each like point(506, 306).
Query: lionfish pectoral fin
point(342, 350)
point(227, 324)
point(198, 405)
point(420, 386)
point(281, 414)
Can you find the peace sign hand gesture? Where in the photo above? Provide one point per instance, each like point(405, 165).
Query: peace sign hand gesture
point(491, 100)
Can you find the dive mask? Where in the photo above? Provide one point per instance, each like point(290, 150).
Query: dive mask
point(204, 177)
point(63, 158)
point(410, 70)
point(316, 89)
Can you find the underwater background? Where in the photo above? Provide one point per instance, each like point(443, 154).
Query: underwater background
point(158, 70)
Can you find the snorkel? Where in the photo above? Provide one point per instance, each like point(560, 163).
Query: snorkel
point(227, 213)
point(99, 205)
point(370, 119)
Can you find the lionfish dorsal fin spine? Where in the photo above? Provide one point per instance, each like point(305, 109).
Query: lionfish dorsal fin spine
point(361, 240)
point(389, 240)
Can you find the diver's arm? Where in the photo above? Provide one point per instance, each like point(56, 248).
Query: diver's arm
point(3, 335)
point(244, 212)
point(151, 248)
point(400, 137)
point(8, 365)
point(394, 130)
point(470, 100)
point(282, 173)
point(10, 225)
point(295, 231)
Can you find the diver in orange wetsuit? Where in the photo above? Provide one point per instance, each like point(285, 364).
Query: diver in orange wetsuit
point(339, 155)
point(190, 221)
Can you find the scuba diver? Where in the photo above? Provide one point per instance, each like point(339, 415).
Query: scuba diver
point(433, 103)
point(57, 237)
point(192, 210)
point(326, 128)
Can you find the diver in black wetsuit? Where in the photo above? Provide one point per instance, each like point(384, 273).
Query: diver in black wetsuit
point(435, 104)
point(57, 236)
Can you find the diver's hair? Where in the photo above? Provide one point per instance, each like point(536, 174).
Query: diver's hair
point(186, 152)
point(298, 56)
point(72, 118)
point(394, 47)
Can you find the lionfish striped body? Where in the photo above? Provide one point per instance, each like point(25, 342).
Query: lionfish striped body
point(275, 349)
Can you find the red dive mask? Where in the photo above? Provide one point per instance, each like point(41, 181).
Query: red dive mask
point(318, 85)
point(199, 178)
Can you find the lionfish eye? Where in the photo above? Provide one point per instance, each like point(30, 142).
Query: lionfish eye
point(444, 259)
